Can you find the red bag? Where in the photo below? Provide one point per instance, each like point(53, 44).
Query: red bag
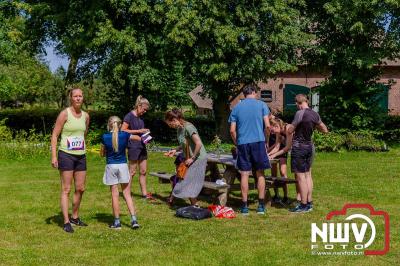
point(222, 211)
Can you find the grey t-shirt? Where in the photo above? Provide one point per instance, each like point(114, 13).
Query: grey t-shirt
point(186, 133)
point(304, 122)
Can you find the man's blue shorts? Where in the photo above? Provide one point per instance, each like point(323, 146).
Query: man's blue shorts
point(252, 156)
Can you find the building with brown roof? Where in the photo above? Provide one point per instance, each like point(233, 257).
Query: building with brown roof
point(279, 92)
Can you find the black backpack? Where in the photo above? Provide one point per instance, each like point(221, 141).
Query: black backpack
point(193, 212)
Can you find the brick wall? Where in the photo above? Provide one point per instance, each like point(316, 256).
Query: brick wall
point(392, 75)
point(313, 79)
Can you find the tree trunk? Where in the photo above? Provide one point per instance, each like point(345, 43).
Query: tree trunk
point(126, 103)
point(70, 78)
point(221, 108)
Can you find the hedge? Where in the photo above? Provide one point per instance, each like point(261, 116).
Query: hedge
point(42, 121)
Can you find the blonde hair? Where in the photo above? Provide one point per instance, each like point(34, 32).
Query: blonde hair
point(301, 98)
point(71, 91)
point(278, 122)
point(140, 100)
point(114, 124)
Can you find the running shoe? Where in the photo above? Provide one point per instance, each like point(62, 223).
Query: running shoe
point(148, 197)
point(68, 228)
point(135, 224)
point(299, 209)
point(261, 209)
point(309, 206)
point(115, 226)
point(77, 222)
point(244, 210)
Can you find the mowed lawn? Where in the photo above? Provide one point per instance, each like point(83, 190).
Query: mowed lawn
point(30, 232)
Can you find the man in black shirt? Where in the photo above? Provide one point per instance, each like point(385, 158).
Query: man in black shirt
point(303, 125)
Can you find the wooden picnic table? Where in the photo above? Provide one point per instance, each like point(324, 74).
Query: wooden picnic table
point(229, 174)
point(222, 166)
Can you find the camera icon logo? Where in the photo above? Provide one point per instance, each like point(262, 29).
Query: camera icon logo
point(349, 236)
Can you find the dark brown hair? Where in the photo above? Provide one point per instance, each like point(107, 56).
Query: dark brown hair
point(249, 89)
point(174, 113)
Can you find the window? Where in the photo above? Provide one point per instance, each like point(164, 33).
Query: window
point(266, 95)
point(289, 93)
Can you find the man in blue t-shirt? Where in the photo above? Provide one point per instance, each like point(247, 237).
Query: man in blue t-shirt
point(248, 125)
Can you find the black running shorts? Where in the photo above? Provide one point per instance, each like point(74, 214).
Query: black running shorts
point(71, 162)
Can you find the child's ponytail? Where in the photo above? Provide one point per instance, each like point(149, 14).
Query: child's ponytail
point(114, 124)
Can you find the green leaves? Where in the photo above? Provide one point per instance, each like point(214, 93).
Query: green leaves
point(23, 78)
point(352, 38)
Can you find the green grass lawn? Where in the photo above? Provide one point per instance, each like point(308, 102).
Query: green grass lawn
point(30, 232)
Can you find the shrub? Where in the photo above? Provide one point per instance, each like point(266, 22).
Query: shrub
point(42, 121)
point(333, 141)
point(392, 122)
point(391, 135)
point(5, 132)
point(350, 140)
point(25, 145)
point(364, 140)
point(94, 136)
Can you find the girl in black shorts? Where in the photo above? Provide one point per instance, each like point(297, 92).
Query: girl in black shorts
point(137, 152)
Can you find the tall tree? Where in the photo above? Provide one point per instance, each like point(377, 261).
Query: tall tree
point(137, 57)
point(71, 25)
point(23, 78)
point(230, 42)
point(352, 39)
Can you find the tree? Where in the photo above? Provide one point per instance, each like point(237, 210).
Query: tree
point(228, 43)
point(353, 38)
point(72, 25)
point(137, 57)
point(23, 78)
point(122, 40)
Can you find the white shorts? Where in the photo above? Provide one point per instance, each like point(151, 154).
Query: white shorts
point(116, 174)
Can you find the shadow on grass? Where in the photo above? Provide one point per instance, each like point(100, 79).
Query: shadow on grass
point(281, 205)
point(136, 197)
point(235, 201)
point(56, 219)
point(177, 203)
point(105, 218)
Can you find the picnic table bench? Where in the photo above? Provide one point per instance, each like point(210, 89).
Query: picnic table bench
point(220, 190)
point(228, 173)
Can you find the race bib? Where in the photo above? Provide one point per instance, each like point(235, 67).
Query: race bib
point(75, 143)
